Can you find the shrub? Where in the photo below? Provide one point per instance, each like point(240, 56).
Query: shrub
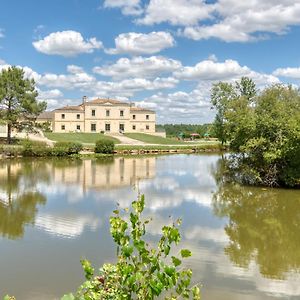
point(33, 148)
point(141, 272)
point(105, 147)
point(11, 150)
point(66, 148)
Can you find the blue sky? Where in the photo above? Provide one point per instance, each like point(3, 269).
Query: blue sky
point(161, 54)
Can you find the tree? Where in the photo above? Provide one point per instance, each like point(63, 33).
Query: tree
point(19, 107)
point(233, 105)
point(263, 131)
point(222, 94)
point(247, 88)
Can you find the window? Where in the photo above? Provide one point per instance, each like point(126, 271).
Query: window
point(93, 112)
point(147, 127)
point(121, 113)
point(93, 127)
point(107, 127)
point(78, 116)
point(133, 117)
point(147, 117)
point(107, 113)
point(133, 127)
point(63, 127)
point(121, 127)
point(63, 116)
point(78, 127)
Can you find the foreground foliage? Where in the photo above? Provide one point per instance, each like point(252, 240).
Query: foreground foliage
point(141, 272)
point(263, 130)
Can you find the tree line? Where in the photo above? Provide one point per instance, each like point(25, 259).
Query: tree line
point(174, 130)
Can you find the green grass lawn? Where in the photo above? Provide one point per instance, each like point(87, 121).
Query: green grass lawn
point(152, 139)
point(84, 138)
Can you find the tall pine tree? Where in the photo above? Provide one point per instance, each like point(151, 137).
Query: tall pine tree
point(19, 107)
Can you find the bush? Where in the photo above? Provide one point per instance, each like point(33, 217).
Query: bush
point(10, 150)
point(66, 148)
point(34, 149)
point(105, 147)
point(141, 272)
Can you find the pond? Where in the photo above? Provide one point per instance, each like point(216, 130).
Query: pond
point(245, 241)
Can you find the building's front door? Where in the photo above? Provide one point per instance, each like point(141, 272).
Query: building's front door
point(121, 127)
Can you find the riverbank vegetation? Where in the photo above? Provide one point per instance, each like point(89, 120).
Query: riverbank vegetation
point(27, 148)
point(262, 130)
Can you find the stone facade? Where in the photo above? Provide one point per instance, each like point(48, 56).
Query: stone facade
point(104, 115)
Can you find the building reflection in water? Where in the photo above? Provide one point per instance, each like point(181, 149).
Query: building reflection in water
point(105, 174)
point(21, 195)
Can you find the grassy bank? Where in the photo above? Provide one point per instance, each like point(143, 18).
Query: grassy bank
point(84, 138)
point(152, 149)
point(152, 139)
point(64, 149)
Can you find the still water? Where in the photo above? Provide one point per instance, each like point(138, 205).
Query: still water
point(245, 241)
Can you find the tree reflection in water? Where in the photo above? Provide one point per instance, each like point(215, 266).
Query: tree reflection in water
point(264, 225)
point(18, 195)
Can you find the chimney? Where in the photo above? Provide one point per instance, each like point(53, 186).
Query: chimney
point(84, 99)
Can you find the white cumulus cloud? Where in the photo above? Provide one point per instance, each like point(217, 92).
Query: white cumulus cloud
point(128, 7)
point(66, 43)
point(288, 72)
point(209, 70)
point(142, 43)
point(175, 12)
point(243, 21)
point(139, 67)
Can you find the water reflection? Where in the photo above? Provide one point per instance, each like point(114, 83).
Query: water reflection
point(264, 226)
point(69, 203)
point(24, 184)
point(18, 198)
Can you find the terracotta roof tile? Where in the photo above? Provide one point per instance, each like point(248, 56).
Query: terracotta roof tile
point(140, 109)
point(46, 115)
point(103, 101)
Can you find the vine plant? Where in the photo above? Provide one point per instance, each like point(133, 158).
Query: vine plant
point(141, 272)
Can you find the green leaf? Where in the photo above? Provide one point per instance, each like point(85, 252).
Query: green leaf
point(185, 253)
point(68, 297)
point(88, 269)
point(127, 250)
point(176, 261)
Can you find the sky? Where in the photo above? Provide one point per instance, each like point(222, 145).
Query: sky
point(159, 54)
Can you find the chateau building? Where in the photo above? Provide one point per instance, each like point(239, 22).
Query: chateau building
point(102, 115)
